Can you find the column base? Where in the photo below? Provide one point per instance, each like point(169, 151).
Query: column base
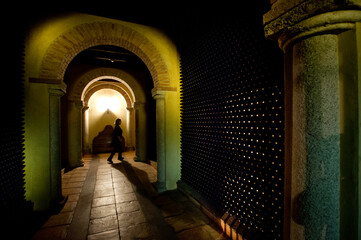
point(86, 150)
point(160, 186)
point(58, 204)
point(79, 164)
point(72, 166)
point(138, 159)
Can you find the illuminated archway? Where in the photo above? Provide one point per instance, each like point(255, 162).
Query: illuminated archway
point(106, 85)
point(104, 106)
point(124, 90)
point(77, 90)
point(83, 36)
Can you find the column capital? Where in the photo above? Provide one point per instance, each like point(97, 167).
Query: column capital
point(57, 89)
point(85, 108)
point(288, 20)
point(158, 93)
point(77, 103)
point(138, 105)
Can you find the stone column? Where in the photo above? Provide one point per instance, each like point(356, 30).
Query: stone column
point(140, 132)
point(309, 35)
point(159, 97)
point(75, 116)
point(55, 93)
point(130, 127)
point(86, 147)
point(316, 137)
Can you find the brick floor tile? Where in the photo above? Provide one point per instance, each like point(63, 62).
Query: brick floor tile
point(73, 197)
point(106, 171)
point(140, 231)
point(182, 222)
point(103, 192)
point(103, 186)
point(59, 219)
point(104, 177)
point(81, 174)
point(67, 191)
point(117, 179)
point(200, 233)
point(73, 185)
point(102, 211)
point(76, 179)
point(102, 201)
point(58, 232)
point(103, 224)
point(69, 206)
point(105, 181)
point(125, 197)
point(131, 218)
point(108, 235)
point(123, 189)
point(172, 209)
point(127, 207)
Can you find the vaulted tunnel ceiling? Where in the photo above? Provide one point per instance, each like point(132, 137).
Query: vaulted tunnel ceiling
point(108, 56)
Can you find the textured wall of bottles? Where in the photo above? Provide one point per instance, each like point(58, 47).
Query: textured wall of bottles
point(11, 128)
point(233, 123)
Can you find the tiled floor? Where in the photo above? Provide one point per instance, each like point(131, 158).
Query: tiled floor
point(117, 201)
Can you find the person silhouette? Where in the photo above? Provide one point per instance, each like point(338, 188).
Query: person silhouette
point(117, 142)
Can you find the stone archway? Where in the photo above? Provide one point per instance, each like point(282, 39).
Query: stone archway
point(71, 43)
point(76, 89)
point(101, 86)
point(79, 92)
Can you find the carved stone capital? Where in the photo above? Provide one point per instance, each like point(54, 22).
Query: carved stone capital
point(57, 89)
point(290, 20)
point(157, 93)
point(138, 105)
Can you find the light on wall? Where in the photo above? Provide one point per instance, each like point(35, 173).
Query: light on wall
point(108, 104)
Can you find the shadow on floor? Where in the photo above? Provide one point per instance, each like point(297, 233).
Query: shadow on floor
point(145, 194)
point(168, 215)
point(175, 216)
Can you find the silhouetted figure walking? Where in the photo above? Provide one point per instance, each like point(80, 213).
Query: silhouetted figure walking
point(117, 142)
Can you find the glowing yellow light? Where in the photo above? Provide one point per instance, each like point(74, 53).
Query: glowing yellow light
point(104, 103)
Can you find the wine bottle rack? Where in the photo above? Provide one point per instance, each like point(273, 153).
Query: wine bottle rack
point(233, 123)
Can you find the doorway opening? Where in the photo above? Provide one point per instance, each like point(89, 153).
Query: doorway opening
point(107, 82)
point(105, 106)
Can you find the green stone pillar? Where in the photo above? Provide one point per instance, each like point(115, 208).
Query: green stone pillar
point(319, 150)
point(85, 144)
point(75, 118)
point(130, 127)
point(159, 97)
point(140, 132)
point(315, 138)
point(56, 91)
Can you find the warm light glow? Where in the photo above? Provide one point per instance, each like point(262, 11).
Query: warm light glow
point(104, 103)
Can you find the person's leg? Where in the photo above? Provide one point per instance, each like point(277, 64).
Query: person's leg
point(119, 151)
point(121, 148)
point(120, 157)
point(111, 156)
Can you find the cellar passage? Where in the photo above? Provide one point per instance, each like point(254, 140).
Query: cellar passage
point(233, 124)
